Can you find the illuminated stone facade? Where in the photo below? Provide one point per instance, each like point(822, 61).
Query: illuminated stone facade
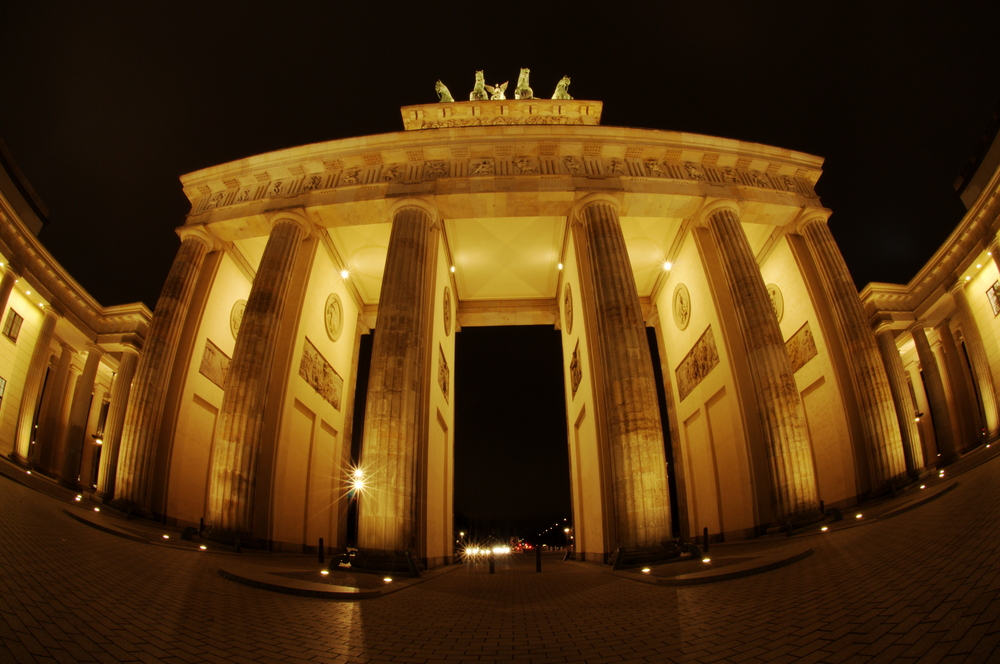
point(66, 363)
point(939, 335)
point(513, 212)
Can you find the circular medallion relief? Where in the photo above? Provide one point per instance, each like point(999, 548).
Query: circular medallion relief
point(777, 301)
point(682, 306)
point(447, 311)
point(333, 315)
point(568, 309)
point(236, 316)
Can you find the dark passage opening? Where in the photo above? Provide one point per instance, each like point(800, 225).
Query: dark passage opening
point(511, 457)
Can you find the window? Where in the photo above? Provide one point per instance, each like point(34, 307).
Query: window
point(3, 388)
point(12, 326)
point(994, 295)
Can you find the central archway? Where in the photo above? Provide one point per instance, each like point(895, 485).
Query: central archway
point(511, 458)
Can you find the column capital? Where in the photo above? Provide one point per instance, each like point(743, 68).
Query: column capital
point(295, 216)
point(957, 288)
point(714, 206)
point(14, 267)
point(810, 216)
point(576, 215)
point(882, 326)
point(917, 326)
point(94, 348)
point(994, 245)
point(200, 232)
point(130, 347)
point(428, 207)
point(54, 310)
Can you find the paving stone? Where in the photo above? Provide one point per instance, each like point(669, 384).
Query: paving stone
point(128, 602)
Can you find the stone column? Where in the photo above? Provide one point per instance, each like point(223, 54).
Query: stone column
point(10, 276)
point(966, 411)
point(995, 251)
point(32, 392)
point(398, 381)
point(935, 395)
point(793, 479)
point(878, 411)
point(634, 433)
point(53, 414)
point(73, 456)
point(977, 356)
point(233, 470)
point(116, 422)
point(152, 375)
point(905, 408)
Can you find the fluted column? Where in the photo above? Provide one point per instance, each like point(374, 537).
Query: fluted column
point(634, 433)
point(995, 251)
point(152, 375)
point(395, 421)
point(977, 356)
point(33, 386)
point(793, 479)
point(905, 408)
point(935, 394)
point(10, 276)
point(965, 409)
point(116, 422)
point(883, 439)
point(53, 414)
point(233, 471)
point(77, 430)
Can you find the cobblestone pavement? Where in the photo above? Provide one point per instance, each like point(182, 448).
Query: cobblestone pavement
point(919, 587)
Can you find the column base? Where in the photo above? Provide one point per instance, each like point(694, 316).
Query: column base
point(19, 460)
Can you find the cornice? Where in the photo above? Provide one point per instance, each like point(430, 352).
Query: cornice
point(394, 164)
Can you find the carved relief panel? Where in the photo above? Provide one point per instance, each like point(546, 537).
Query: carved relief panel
point(801, 347)
point(576, 369)
point(214, 363)
point(697, 364)
point(444, 374)
point(320, 374)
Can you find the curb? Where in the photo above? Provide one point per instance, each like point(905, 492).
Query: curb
point(300, 588)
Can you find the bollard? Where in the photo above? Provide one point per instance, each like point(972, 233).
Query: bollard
point(822, 508)
point(705, 538)
point(538, 559)
point(201, 525)
point(238, 549)
point(321, 551)
point(492, 570)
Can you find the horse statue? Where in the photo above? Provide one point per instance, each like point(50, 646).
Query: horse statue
point(479, 92)
point(442, 91)
point(497, 91)
point(523, 90)
point(562, 89)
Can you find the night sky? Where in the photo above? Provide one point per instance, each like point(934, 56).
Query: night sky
point(104, 105)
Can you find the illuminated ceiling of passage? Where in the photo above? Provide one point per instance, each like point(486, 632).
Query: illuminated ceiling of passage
point(504, 258)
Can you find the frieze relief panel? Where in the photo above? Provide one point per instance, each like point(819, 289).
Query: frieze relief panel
point(320, 374)
point(372, 171)
point(801, 347)
point(698, 363)
point(214, 363)
point(444, 374)
point(576, 368)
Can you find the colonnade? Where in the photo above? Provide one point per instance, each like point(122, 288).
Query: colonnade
point(631, 432)
point(59, 414)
